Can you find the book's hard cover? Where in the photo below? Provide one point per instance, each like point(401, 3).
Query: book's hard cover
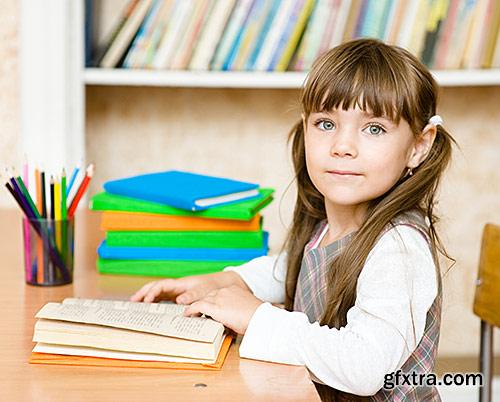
point(182, 254)
point(178, 189)
point(242, 210)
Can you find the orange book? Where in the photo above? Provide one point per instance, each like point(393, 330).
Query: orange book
point(140, 221)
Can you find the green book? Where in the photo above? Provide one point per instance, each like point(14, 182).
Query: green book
point(185, 239)
point(244, 210)
point(165, 268)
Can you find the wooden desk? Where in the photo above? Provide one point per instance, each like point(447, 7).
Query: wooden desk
point(239, 380)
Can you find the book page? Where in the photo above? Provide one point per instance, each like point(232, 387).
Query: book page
point(160, 308)
point(103, 337)
point(114, 354)
point(194, 328)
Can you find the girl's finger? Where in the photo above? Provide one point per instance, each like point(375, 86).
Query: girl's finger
point(202, 307)
point(138, 296)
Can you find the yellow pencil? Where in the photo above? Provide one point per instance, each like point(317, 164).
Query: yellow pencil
point(57, 212)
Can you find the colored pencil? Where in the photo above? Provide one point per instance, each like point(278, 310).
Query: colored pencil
point(64, 216)
point(64, 207)
point(39, 244)
point(44, 202)
point(72, 180)
point(81, 190)
point(26, 194)
point(57, 213)
point(52, 211)
point(27, 237)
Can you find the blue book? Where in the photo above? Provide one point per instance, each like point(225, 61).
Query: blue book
point(184, 190)
point(237, 41)
point(250, 64)
point(182, 254)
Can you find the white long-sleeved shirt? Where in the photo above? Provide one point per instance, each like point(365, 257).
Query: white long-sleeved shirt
point(395, 289)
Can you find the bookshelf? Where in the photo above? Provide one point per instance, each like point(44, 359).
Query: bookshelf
point(230, 79)
point(54, 79)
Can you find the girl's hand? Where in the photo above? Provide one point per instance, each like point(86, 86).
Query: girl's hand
point(232, 306)
point(188, 289)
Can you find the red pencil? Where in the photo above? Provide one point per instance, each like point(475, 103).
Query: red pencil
point(81, 191)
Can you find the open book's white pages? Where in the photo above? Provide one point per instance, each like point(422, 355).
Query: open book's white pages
point(113, 354)
point(194, 328)
point(160, 308)
point(102, 337)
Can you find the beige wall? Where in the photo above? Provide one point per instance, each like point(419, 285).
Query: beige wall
point(10, 144)
point(241, 133)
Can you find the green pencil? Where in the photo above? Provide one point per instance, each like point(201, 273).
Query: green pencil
point(64, 208)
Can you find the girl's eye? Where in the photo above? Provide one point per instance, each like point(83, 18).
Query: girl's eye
point(375, 129)
point(325, 125)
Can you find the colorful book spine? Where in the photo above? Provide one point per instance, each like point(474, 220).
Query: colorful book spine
point(254, 25)
point(182, 254)
point(139, 221)
point(177, 26)
point(211, 34)
point(229, 37)
point(185, 239)
point(162, 268)
point(123, 39)
point(272, 39)
point(292, 37)
point(138, 43)
point(160, 26)
point(182, 55)
point(259, 42)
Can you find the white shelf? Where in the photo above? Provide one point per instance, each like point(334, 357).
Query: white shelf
point(198, 79)
point(231, 79)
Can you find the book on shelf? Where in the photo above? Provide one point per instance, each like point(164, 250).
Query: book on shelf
point(174, 33)
point(127, 334)
point(211, 34)
point(137, 47)
point(184, 49)
point(231, 33)
point(184, 190)
point(125, 34)
point(291, 37)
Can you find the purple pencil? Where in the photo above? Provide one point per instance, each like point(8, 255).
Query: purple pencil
point(27, 239)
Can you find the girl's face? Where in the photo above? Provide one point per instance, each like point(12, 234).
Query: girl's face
point(353, 157)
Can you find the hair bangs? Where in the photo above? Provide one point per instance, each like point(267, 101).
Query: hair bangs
point(375, 83)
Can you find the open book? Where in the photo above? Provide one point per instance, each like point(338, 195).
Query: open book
point(154, 332)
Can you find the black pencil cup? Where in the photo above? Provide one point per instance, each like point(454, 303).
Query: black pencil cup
point(48, 251)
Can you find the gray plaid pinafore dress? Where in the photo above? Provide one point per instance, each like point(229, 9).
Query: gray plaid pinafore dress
point(310, 298)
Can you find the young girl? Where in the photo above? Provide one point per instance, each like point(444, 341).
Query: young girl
point(359, 275)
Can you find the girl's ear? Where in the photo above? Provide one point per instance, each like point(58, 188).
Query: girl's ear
point(422, 146)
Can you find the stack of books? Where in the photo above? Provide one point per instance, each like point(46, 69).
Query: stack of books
point(174, 224)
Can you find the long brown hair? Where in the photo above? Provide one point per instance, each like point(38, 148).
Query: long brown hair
point(385, 80)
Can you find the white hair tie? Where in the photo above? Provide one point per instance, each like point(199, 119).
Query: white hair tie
point(436, 120)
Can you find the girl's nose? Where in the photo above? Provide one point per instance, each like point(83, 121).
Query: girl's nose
point(343, 145)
